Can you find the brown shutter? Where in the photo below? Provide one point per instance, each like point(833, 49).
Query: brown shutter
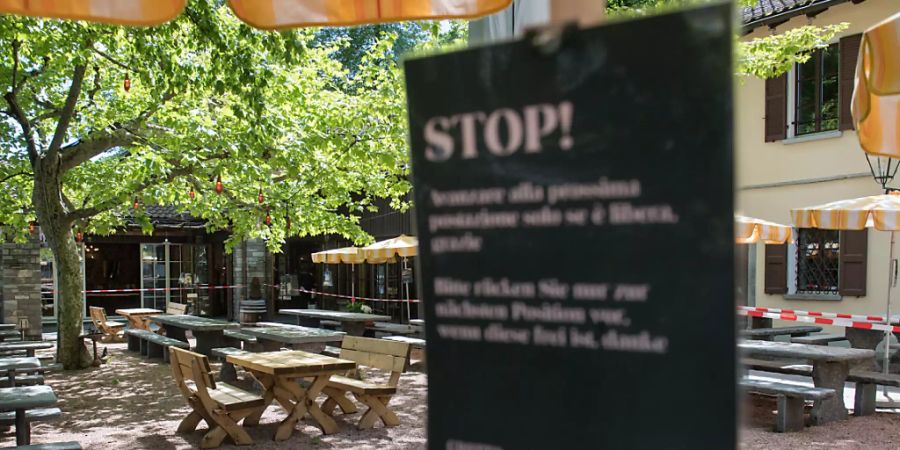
point(849, 51)
point(776, 108)
point(776, 269)
point(852, 277)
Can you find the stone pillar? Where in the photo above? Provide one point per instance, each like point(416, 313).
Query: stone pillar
point(251, 259)
point(20, 283)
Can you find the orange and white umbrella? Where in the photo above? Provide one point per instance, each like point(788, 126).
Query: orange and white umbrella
point(876, 94)
point(345, 255)
point(749, 230)
point(266, 14)
point(403, 246)
point(881, 212)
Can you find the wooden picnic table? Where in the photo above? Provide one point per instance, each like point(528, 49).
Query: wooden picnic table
point(7, 326)
point(273, 338)
point(25, 362)
point(22, 398)
point(28, 346)
point(278, 373)
point(352, 323)
point(137, 317)
point(766, 334)
point(831, 366)
point(208, 332)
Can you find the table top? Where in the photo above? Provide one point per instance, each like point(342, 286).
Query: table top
point(26, 397)
point(342, 316)
point(19, 363)
point(25, 345)
point(288, 363)
point(803, 351)
point(137, 311)
point(294, 335)
point(780, 331)
point(10, 333)
point(417, 322)
point(7, 326)
point(193, 322)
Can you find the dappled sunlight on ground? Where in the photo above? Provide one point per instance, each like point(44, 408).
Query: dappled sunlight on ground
point(133, 403)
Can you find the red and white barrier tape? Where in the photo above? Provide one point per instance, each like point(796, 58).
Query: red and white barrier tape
point(365, 299)
point(857, 317)
point(119, 291)
point(847, 323)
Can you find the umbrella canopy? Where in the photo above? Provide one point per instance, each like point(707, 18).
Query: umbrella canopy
point(876, 94)
point(346, 255)
point(749, 230)
point(403, 246)
point(879, 211)
point(266, 14)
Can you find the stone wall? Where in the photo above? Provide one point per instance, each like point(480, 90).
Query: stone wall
point(20, 283)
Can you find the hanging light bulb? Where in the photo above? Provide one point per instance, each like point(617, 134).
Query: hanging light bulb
point(191, 193)
point(268, 218)
point(137, 203)
point(31, 227)
point(260, 197)
point(219, 186)
point(79, 236)
point(127, 83)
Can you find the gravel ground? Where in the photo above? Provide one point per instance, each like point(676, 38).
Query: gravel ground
point(132, 403)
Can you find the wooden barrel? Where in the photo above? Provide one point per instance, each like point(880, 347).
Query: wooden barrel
point(252, 311)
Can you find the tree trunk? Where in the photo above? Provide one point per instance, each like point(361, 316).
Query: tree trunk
point(57, 228)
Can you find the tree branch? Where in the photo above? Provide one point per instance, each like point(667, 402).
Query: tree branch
point(113, 60)
point(15, 68)
point(68, 111)
point(81, 151)
point(13, 175)
point(20, 117)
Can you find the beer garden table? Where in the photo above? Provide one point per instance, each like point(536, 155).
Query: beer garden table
point(353, 323)
point(278, 373)
point(831, 366)
point(137, 317)
point(22, 398)
point(209, 332)
point(273, 338)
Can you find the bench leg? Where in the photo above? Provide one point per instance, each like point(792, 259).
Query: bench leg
point(145, 347)
point(154, 350)
point(864, 401)
point(790, 414)
point(165, 353)
point(227, 373)
point(134, 343)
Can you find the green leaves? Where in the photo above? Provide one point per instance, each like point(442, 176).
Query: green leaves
point(774, 55)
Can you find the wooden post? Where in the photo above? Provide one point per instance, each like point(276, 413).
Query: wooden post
point(584, 12)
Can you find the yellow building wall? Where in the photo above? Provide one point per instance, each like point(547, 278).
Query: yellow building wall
point(772, 178)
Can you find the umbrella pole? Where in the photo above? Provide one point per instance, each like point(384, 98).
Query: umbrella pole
point(352, 283)
point(406, 287)
point(887, 334)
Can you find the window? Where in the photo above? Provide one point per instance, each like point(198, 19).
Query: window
point(817, 92)
point(818, 261)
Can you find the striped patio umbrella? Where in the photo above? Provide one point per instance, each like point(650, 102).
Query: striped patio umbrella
point(403, 246)
point(881, 212)
point(266, 14)
point(876, 94)
point(749, 230)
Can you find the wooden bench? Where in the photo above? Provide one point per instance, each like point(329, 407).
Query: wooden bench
point(152, 345)
point(767, 334)
point(413, 342)
point(176, 308)
point(818, 339)
point(111, 330)
point(275, 324)
point(72, 445)
point(28, 347)
point(330, 324)
point(790, 400)
point(391, 329)
point(221, 405)
point(25, 376)
point(376, 353)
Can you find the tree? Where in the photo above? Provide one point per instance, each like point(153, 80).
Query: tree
point(101, 121)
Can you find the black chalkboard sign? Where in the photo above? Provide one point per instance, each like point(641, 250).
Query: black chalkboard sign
point(574, 211)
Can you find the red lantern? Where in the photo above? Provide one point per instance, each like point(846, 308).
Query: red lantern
point(260, 197)
point(137, 203)
point(287, 222)
point(268, 218)
point(219, 186)
point(31, 227)
point(191, 194)
point(79, 236)
point(127, 83)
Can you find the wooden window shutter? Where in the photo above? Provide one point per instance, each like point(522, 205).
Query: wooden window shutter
point(776, 108)
point(852, 277)
point(776, 269)
point(849, 51)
